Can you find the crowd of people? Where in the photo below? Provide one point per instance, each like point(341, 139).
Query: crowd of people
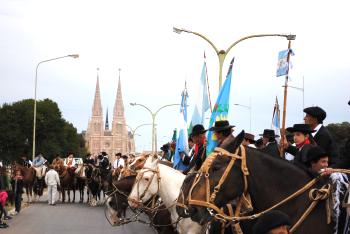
point(307, 145)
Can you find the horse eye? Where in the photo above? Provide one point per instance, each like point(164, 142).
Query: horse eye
point(146, 179)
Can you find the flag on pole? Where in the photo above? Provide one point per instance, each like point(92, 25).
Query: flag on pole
point(202, 99)
point(220, 110)
point(275, 124)
point(182, 140)
point(282, 65)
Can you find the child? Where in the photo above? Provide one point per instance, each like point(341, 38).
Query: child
point(3, 198)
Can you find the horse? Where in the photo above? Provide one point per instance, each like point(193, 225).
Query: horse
point(157, 179)
point(94, 184)
point(66, 176)
point(28, 179)
point(117, 203)
point(81, 181)
point(237, 172)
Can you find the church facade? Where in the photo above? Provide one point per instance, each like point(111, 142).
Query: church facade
point(99, 137)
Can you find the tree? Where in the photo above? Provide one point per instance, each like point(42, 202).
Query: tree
point(341, 134)
point(54, 135)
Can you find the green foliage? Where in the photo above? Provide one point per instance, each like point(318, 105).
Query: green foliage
point(341, 134)
point(54, 135)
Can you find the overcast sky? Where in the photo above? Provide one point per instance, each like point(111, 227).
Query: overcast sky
point(137, 37)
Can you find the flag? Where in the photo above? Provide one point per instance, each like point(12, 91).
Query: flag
point(282, 65)
point(275, 124)
point(202, 99)
point(220, 110)
point(182, 140)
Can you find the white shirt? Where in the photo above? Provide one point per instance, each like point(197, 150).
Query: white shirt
point(316, 129)
point(118, 163)
point(52, 178)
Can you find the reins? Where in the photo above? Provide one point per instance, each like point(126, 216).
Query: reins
point(315, 195)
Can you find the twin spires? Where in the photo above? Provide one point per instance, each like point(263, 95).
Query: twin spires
point(118, 112)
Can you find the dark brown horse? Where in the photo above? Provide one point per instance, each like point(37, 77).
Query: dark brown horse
point(269, 181)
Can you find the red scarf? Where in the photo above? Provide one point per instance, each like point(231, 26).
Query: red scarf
point(306, 142)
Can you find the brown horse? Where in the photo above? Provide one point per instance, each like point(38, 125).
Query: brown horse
point(66, 175)
point(28, 179)
point(267, 180)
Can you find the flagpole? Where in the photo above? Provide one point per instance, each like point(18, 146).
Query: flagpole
point(283, 129)
point(206, 74)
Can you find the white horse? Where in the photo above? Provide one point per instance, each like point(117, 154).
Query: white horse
point(159, 179)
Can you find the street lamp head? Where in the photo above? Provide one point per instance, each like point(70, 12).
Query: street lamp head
point(177, 30)
point(133, 103)
point(291, 37)
point(74, 56)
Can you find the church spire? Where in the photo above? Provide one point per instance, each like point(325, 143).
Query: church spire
point(97, 107)
point(107, 124)
point(118, 105)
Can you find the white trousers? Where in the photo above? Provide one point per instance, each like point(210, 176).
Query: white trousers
point(52, 190)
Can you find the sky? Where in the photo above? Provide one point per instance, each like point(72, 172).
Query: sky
point(137, 37)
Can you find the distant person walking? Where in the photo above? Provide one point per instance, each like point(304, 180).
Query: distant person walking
point(52, 180)
point(17, 188)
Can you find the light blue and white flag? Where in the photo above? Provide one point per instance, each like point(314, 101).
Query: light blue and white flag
point(182, 140)
point(202, 99)
point(283, 65)
point(275, 124)
point(220, 110)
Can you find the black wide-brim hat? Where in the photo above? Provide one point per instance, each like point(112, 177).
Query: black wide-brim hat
point(268, 133)
point(198, 129)
point(249, 136)
point(316, 112)
point(270, 220)
point(221, 125)
point(303, 128)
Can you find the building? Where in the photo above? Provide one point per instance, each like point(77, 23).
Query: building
point(99, 137)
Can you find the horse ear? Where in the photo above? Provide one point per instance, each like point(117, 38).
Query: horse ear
point(233, 143)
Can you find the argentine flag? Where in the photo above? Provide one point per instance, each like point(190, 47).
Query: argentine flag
point(182, 140)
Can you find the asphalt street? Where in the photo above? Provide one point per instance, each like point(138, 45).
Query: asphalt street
point(40, 218)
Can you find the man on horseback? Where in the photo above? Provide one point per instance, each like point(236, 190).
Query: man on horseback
point(24, 161)
point(249, 140)
point(270, 143)
point(39, 165)
point(272, 222)
point(223, 131)
point(199, 139)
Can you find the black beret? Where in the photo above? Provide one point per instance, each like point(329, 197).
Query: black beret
point(270, 220)
point(316, 112)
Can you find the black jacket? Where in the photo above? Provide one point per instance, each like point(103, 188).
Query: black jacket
point(324, 139)
point(17, 188)
point(272, 149)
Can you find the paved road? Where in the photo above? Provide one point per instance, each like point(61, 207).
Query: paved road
point(40, 218)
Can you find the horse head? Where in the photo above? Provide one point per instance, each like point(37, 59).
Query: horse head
point(117, 200)
point(146, 184)
point(139, 162)
point(222, 173)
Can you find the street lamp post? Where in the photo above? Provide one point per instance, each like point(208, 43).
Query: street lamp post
point(222, 53)
point(250, 112)
point(35, 90)
point(133, 130)
point(153, 114)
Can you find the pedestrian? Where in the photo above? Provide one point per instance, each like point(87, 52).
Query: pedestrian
point(270, 143)
point(3, 198)
point(272, 222)
point(52, 180)
point(314, 116)
point(17, 188)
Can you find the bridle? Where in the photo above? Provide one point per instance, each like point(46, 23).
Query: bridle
point(204, 172)
point(137, 182)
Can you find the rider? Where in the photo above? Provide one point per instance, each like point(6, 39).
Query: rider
point(70, 163)
point(223, 131)
point(249, 140)
point(317, 161)
point(272, 222)
point(24, 161)
point(38, 164)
